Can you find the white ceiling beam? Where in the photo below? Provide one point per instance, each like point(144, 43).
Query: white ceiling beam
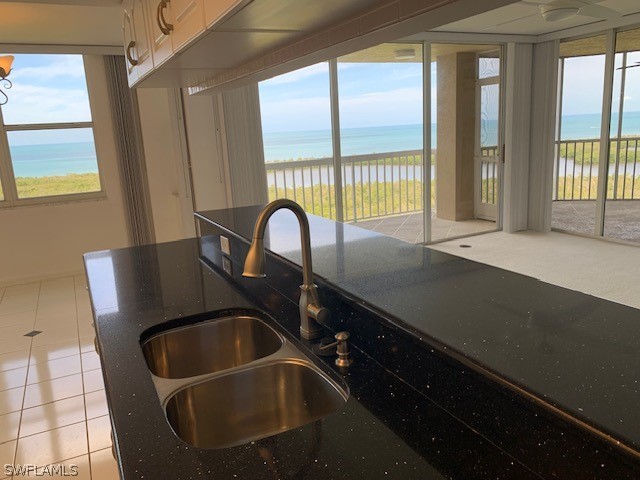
point(583, 30)
point(573, 32)
point(395, 19)
point(457, 37)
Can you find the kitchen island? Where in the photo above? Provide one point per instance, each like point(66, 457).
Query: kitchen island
point(420, 405)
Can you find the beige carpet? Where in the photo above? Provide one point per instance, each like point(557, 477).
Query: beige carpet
point(597, 267)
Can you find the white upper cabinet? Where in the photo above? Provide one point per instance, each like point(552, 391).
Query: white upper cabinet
point(187, 18)
point(143, 60)
point(159, 18)
point(136, 41)
point(191, 40)
point(129, 44)
point(214, 10)
point(209, 45)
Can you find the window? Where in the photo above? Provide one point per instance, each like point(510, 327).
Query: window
point(378, 167)
point(577, 157)
point(296, 131)
point(48, 149)
point(596, 188)
point(345, 139)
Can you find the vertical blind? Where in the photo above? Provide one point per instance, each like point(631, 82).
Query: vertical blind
point(130, 152)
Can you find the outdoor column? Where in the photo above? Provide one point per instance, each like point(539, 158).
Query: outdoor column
point(456, 136)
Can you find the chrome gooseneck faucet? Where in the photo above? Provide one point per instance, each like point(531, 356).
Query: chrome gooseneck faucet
point(312, 314)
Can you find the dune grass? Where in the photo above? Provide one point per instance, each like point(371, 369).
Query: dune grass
point(370, 199)
point(31, 187)
point(380, 199)
point(585, 188)
point(588, 152)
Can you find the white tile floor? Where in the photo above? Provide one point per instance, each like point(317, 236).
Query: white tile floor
point(53, 408)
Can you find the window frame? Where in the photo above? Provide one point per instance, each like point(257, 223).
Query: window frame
point(7, 176)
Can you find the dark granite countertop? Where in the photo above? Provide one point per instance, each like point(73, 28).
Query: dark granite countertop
point(418, 319)
point(386, 430)
point(577, 352)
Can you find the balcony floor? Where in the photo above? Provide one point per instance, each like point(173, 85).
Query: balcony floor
point(409, 227)
point(622, 218)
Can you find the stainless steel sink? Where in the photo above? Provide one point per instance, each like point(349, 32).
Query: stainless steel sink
point(210, 346)
point(253, 403)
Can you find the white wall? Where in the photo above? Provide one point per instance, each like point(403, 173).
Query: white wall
point(210, 175)
point(49, 240)
point(169, 187)
point(172, 146)
point(517, 127)
point(543, 124)
point(35, 23)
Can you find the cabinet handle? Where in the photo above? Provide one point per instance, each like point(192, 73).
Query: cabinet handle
point(165, 27)
point(132, 60)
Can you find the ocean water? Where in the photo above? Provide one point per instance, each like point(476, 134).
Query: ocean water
point(56, 159)
point(354, 141)
point(317, 143)
point(580, 127)
point(65, 158)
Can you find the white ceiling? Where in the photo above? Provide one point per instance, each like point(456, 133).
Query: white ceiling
point(38, 23)
point(523, 19)
point(97, 3)
point(98, 22)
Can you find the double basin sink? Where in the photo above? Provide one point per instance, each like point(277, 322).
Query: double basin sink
point(232, 380)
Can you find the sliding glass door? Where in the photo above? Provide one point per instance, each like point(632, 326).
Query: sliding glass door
point(381, 139)
point(622, 205)
point(466, 140)
point(596, 187)
point(346, 139)
point(298, 146)
point(578, 155)
point(487, 152)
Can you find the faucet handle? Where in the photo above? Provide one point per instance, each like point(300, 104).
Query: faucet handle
point(321, 314)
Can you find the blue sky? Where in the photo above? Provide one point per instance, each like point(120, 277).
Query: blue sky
point(584, 83)
point(370, 95)
point(47, 89)
point(52, 88)
point(391, 94)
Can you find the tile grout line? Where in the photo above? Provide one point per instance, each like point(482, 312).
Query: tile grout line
point(57, 358)
point(68, 425)
point(24, 391)
point(84, 395)
point(54, 401)
point(63, 376)
point(401, 225)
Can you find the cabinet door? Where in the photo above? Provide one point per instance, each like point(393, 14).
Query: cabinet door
point(129, 45)
point(159, 42)
point(215, 9)
point(143, 52)
point(188, 21)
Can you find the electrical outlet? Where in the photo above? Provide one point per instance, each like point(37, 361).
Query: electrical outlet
point(226, 266)
point(224, 245)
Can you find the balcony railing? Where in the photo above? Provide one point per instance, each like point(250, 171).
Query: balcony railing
point(576, 169)
point(373, 185)
point(488, 175)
